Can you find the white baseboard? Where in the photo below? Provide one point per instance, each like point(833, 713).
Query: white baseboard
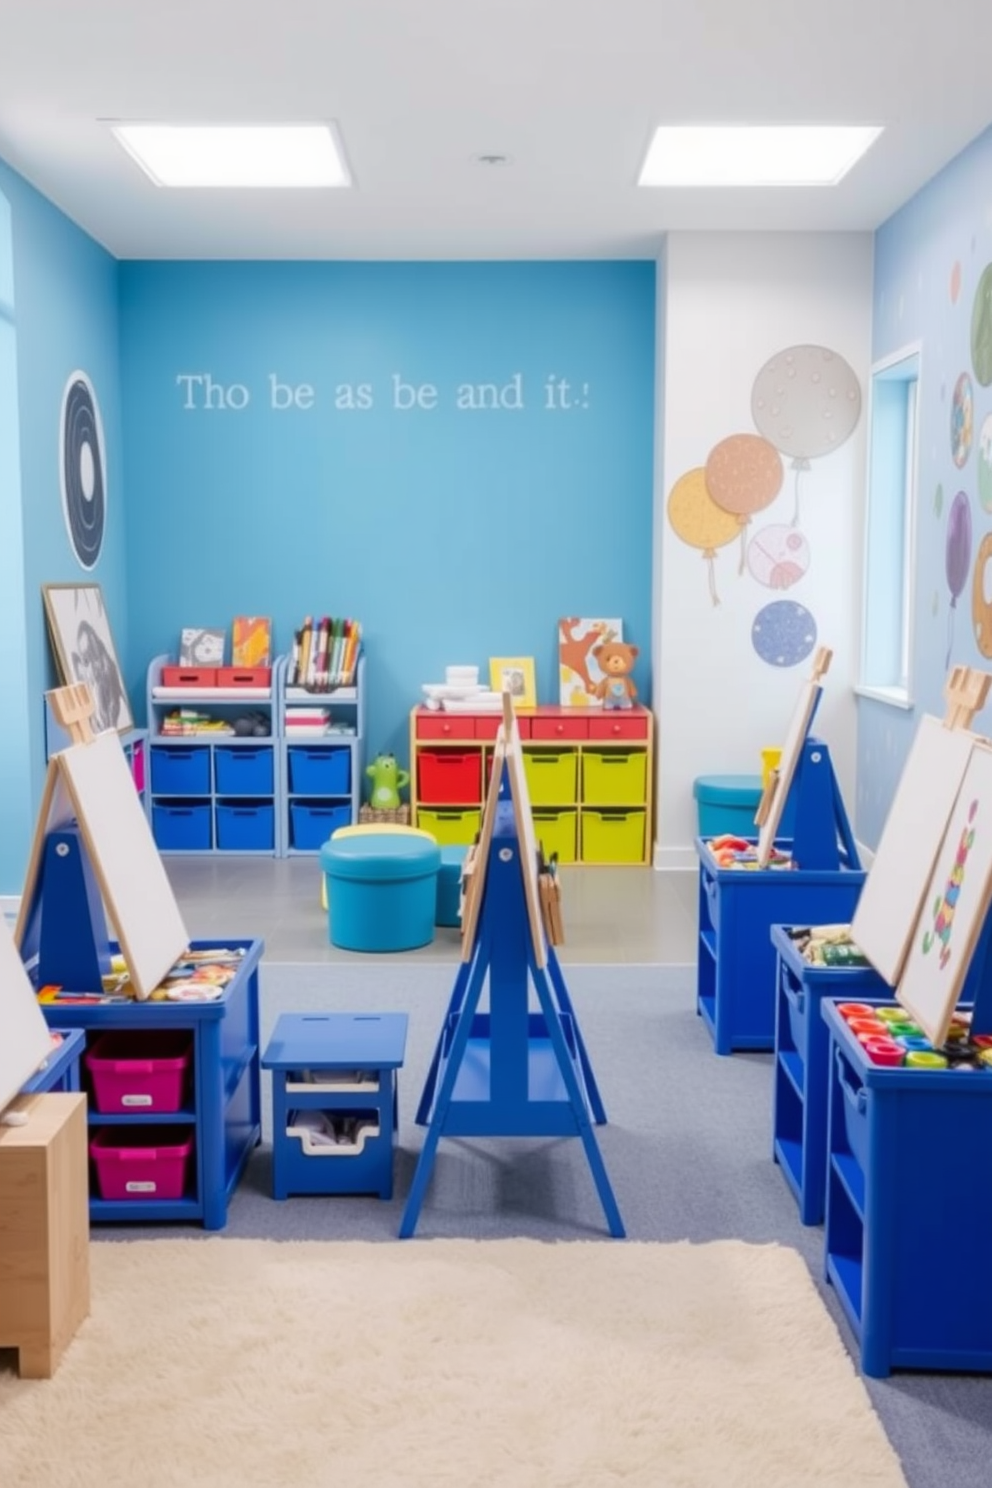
point(677, 859)
point(10, 905)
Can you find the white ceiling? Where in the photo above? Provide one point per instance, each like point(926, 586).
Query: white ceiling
point(570, 89)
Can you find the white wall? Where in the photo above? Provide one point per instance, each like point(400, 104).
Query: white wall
point(734, 300)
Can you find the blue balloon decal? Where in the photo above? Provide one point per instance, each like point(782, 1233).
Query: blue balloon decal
point(783, 633)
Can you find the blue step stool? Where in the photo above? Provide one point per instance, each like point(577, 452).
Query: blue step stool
point(449, 886)
point(381, 891)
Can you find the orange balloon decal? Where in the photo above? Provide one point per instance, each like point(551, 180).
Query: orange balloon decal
point(744, 474)
point(698, 521)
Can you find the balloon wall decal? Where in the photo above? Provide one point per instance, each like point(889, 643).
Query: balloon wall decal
point(698, 521)
point(957, 558)
point(981, 609)
point(985, 463)
point(806, 400)
point(783, 633)
point(778, 556)
point(962, 411)
point(981, 328)
point(743, 475)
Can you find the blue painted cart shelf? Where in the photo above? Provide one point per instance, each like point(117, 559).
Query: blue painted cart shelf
point(735, 987)
point(802, 1065)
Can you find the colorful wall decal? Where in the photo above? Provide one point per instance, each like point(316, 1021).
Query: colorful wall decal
point(981, 606)
point(698, 521)
point(778, 556)
point(955, 281)
point(938, 500)
point(984, 454)
point(743, 475)
point(957, 558)
point(807, 401)
point(579, 673)
point(82, 469)
point(783, 633)
point(962, 417)
point(981, 328)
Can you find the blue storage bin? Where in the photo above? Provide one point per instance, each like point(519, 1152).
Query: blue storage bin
point(180, 770)
point(909, 1208)
point(243, 771)
point(381, 890)
point(311, 823)
point(181, 826)
point(319, 772)
point(726, 803)
point(246, 826)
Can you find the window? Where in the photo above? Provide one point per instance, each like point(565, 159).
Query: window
point(887, 601)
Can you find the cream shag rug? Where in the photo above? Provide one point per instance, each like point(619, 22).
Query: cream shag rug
point(446, 1364)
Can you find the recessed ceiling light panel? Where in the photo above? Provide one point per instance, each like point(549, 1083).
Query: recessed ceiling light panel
point(234, 155)
point(755, 154)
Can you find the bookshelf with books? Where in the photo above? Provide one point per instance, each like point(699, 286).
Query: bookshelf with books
point(321, 731)
point(213, 759)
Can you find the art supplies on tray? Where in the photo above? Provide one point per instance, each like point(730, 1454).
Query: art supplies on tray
point(198, 976)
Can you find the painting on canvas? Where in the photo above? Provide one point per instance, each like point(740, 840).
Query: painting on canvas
point(79, 629)
point(578, 670)
point(251, 641)
point(954, 906)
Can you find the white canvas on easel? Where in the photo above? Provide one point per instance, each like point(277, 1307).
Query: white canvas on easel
point(24, 1037)
point(95, 779)
point(768, 818)
point(894, 890)
point(956, 902)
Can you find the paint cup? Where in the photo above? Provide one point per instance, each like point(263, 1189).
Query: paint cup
point(855, 1010)
point(907, 1029)
point(985, 1058)
point(957, 1033)
point(982, 1040)
point(891, 1014)
point(884, 1051)
point(925, 1059)
point(866, 1025)
point(914, 1041)
point(769, 761)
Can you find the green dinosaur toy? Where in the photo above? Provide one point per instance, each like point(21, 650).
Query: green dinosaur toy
point(387, 779)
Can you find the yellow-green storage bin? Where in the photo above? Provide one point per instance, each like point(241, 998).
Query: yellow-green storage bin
point(614, 776)
point(557, 832)
point(450, 828)
point(552, 776)
point(613, 836)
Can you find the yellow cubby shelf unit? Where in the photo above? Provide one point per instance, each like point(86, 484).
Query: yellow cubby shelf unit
point(589, 775)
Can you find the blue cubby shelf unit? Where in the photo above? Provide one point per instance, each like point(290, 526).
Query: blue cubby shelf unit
point(802, 1068)
point(214, 793)
point(320, 777)
point(735, 979)
point(222, 1110)
point(909, 1207)
point(60, 1070)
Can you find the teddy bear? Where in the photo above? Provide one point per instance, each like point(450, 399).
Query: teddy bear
point(616, 660)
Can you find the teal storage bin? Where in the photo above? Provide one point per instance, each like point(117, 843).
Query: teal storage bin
point(449, 886)
point(381, 891)
point(727, 803)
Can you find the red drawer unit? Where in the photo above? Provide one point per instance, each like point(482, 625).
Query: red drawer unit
point(431, 725)
point(558, 726)
point(244, 676)
point(449, 777)
point(616, 724)
point(179, 676)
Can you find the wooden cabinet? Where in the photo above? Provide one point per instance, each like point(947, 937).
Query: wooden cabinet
point(589, 774)
point(44, 1230)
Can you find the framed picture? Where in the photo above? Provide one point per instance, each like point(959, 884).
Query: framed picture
point(515, 675)
point(84, 650)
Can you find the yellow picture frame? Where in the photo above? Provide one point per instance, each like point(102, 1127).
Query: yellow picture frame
point(514, 674)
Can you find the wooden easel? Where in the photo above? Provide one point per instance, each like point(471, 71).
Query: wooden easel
point(92, 847)
point(776, 787)
point(511, 1071)
point(965, 691)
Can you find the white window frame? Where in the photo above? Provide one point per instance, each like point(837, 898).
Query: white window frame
point(897, 693)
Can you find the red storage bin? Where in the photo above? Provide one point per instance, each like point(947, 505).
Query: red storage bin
point(142, 1162)
point(449, 777)
point(177, 676)
point(139, 1070)
point(244, 676)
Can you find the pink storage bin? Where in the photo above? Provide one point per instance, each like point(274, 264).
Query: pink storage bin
point(142, 1162)
point(139, 1070)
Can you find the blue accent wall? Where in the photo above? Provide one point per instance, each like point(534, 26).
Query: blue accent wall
point(929, 262)
point(65, 319)
point(454, 533)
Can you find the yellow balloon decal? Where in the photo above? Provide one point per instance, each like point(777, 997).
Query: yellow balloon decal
point(698, 521)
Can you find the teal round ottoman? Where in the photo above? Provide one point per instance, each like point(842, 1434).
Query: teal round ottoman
point(381, 891)
point(449, 886)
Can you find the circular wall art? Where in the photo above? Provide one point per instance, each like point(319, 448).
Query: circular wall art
point(962, 411)
point(985, 463)
point(778, 556)
point(82, 469)
point(981, 608)
point(981, 328)
point(783, 633)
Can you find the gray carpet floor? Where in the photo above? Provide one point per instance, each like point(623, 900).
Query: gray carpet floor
point(687, 1147)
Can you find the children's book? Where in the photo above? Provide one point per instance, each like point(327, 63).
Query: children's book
point(251, 641)
point(578, 670)
point(202, 648)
